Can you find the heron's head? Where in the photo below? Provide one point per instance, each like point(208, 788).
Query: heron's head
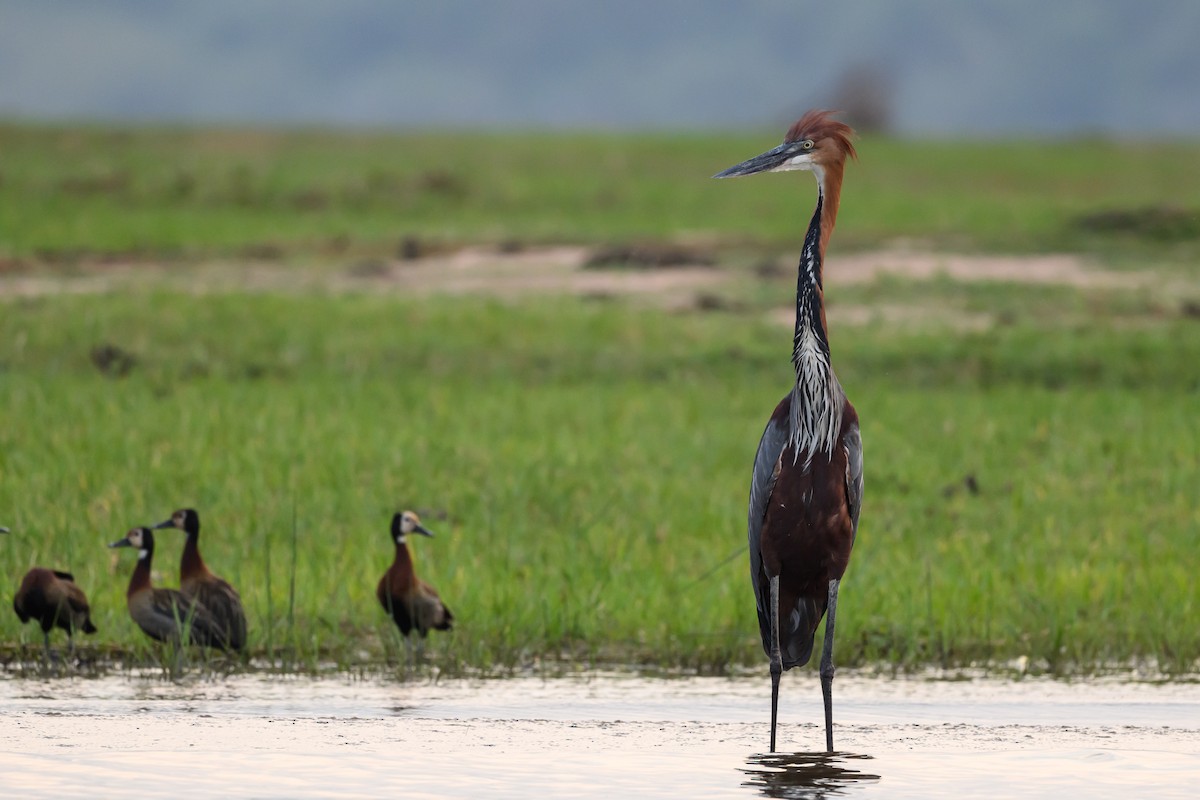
point(407, 522)
point(814, 142)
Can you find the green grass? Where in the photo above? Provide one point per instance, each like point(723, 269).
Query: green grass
point(584, 462)
point(71, 193)
point(584, 465)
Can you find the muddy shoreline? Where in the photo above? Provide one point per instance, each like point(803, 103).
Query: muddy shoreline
point(596, 736)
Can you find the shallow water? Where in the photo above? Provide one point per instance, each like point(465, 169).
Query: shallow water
point(596, 736)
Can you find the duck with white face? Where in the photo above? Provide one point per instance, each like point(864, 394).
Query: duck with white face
point(198, 583)
point(412, 603)
point(163, 614)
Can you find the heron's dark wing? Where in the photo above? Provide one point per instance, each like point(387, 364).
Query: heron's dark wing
point(852, 441)
point(766, 471)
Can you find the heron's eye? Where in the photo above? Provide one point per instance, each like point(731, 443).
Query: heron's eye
point(808, 144)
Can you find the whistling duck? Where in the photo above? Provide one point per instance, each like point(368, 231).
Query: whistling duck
point(197, 582)
point(411, 602)
point(52, 598)
point(160, 612)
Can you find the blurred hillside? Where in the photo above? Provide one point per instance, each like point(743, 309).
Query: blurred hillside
point(913, 66)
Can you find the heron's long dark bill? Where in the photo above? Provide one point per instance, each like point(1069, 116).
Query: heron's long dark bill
point(421, 529)
point(762, 163)
point(122, 543)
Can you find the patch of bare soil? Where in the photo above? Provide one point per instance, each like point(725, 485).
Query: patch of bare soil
point(552, 270)
point(513, 272)
point(573, 269)
point(1042, 269)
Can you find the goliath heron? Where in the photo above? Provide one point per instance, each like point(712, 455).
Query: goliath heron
point(806, 490)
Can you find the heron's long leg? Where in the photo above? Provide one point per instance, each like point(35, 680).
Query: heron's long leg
point(827, 664)
point(776, 657)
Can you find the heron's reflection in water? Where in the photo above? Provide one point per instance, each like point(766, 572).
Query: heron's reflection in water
point(809, 776)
